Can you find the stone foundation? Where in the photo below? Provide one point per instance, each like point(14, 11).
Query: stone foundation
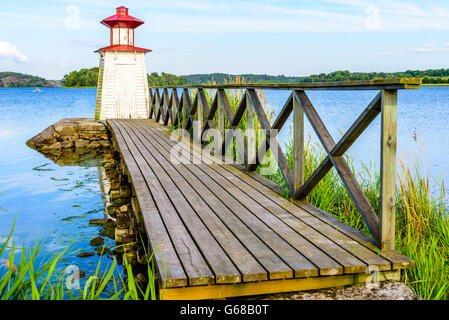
point(71, 136)
point(121, 206)
point(73, 140)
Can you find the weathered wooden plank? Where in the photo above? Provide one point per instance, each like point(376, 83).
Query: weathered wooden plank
point(251, 270)
point(346, 239)
point(397, 260)
point(355, 191)
point(251, 218)
point(195, 266)
point(298, 221)
point(388, 170)
point(270, 260)
point(286, 231)
point(167, 262)
point(217, 259)
point(307, 224)
point(206, 203)
point(278, 286)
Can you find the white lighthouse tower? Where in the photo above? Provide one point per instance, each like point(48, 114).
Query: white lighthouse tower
point(122, 81)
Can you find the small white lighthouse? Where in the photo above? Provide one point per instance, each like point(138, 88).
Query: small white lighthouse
point(122, 91)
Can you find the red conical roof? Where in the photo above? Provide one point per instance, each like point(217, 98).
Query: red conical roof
point(122, 20)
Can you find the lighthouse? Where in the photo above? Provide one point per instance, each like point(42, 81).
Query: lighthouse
point(122, 91)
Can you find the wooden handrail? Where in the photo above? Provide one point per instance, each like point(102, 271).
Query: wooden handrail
point(384, 84)
point(185, 113)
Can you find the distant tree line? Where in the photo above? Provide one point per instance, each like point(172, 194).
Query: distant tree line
point(165, 79)
point(428, 76)
point(89, 78)
point(81, 78)
point(222, 78)
point(15, 80)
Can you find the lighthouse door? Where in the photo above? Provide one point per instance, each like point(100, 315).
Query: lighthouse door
point(125, 91)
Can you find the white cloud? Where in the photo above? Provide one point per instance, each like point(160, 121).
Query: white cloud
point(431, 48)
point(72, 21)
point(8, 51)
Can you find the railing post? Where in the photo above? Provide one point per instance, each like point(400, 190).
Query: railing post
point(185, 108)
point(250, 130)
point(220, 124)
point(388, 170)
point(298, 144)
point(199, 121)
point(150, 103)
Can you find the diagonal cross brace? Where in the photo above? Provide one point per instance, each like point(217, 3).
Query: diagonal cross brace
point(277, 125)
point(354, 132)
point(158, 105)
point(355, 191)
point(272, 141)
point(234, 121)
point(190, 107)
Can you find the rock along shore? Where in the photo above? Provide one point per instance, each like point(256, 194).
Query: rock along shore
point(79, 134)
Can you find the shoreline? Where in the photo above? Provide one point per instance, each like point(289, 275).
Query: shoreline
point(422, 85)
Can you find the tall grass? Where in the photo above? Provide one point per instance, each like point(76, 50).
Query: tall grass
point(422, 224)
point(35, 277)
point(422, 219)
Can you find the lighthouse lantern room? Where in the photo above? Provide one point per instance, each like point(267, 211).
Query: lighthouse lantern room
point(122, 91)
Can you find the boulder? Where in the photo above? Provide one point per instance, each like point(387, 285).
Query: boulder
point(85, 254)
point(105, 143)
point(90, 126)
point(122, 221)
point(44, 138)
point(54, 147)
point(94, 145)
point(80, 144)
point(102, 251)
point(96, 242)
point(65, 128)
point(67, 144)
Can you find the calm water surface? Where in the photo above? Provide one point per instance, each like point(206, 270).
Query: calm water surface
point(54, 203)
point(423, 126)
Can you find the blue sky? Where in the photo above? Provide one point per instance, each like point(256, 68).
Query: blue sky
point(52, 37)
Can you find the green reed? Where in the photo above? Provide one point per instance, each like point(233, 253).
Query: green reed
point(35, 277)
point(422, 224)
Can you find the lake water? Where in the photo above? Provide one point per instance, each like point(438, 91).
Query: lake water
point(51, 202)
point(55, 203)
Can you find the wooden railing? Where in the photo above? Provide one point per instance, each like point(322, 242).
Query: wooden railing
point(168, 108)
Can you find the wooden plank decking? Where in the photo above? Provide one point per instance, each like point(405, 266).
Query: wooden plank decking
point(223, 232)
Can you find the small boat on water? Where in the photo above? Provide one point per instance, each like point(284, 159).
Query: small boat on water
point(37, 90)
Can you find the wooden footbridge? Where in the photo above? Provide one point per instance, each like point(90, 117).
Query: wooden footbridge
point(222, 230)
